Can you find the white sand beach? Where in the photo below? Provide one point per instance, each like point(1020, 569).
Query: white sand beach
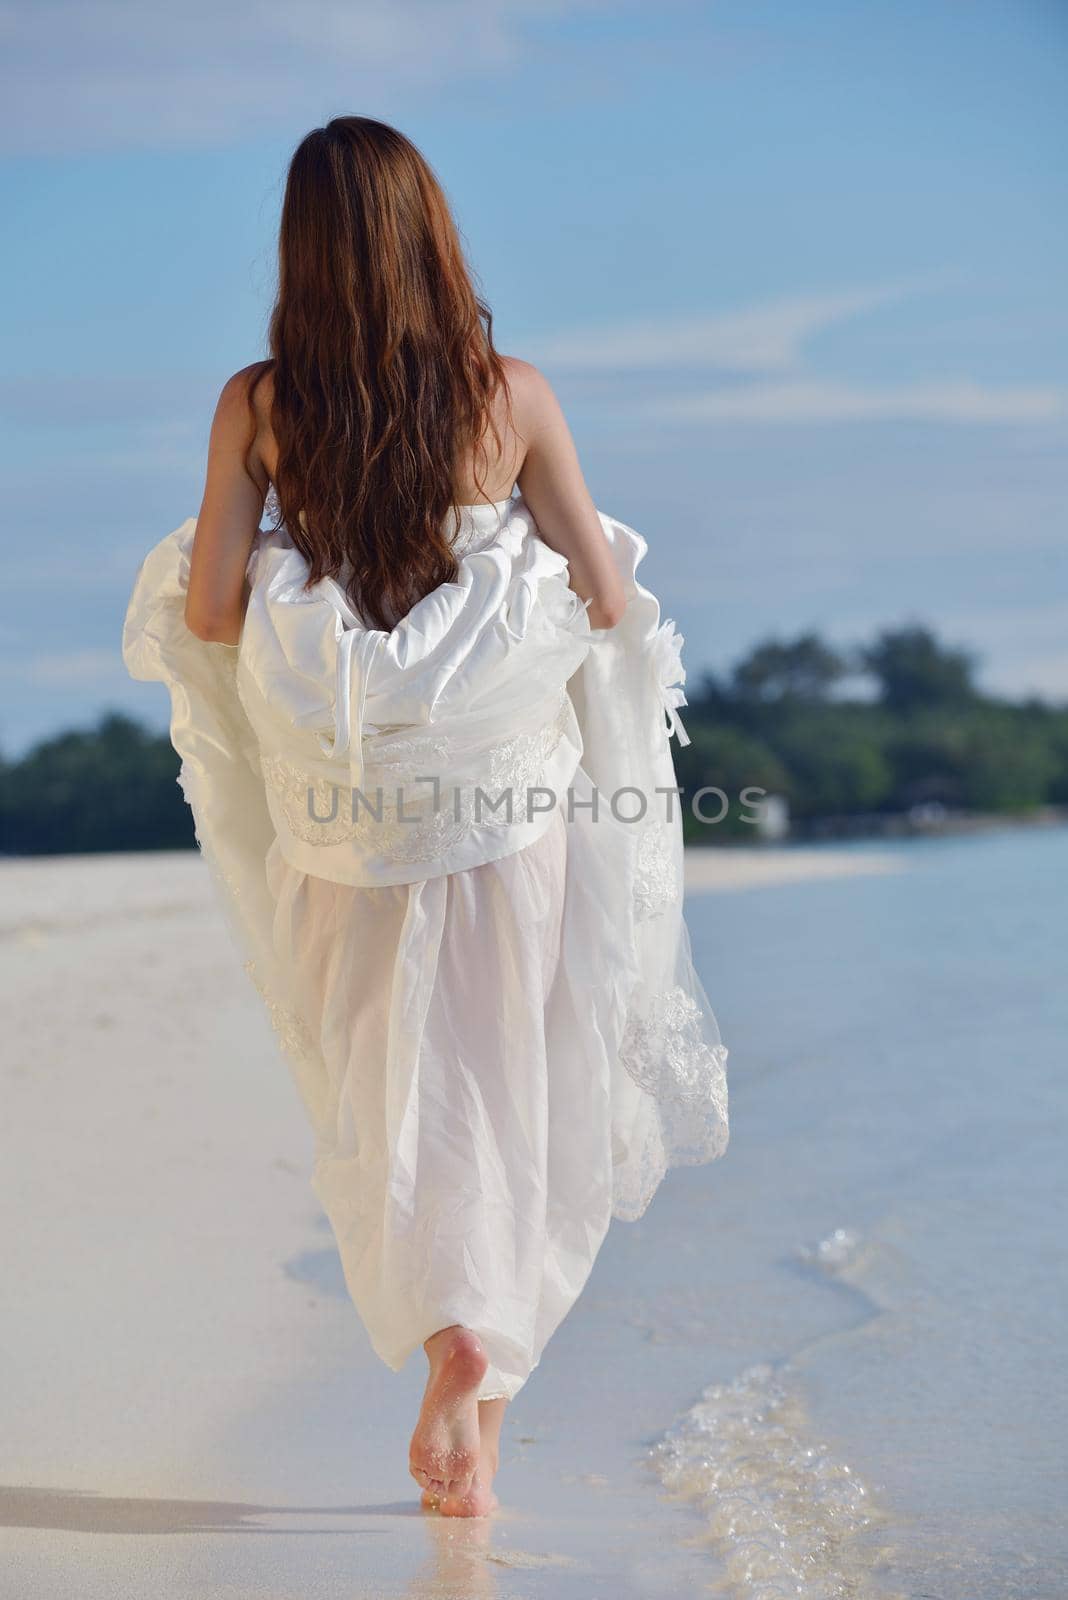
point(183, 1372)
point(723, 871)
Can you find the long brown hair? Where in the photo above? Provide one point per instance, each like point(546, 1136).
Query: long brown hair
point(383, 362)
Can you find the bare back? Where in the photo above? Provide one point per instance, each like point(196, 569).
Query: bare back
point(536, 451)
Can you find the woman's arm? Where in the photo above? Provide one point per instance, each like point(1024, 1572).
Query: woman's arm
point(228, 522)
point(552, 484)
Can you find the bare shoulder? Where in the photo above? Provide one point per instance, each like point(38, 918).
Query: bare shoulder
point(251, 386)
point(534, 404)
point(241, 425)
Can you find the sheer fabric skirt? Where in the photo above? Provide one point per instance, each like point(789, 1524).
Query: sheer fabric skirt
point(468, 1174)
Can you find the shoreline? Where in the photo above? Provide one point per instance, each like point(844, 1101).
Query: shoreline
point(46, 895)
point(732, 870)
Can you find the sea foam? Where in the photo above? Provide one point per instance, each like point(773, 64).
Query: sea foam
point(780, 1510)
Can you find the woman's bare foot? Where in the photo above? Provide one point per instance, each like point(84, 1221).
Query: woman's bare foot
point(479, 1499)
point(444, 1453)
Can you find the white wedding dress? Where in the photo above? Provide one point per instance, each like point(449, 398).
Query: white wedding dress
point(488, 1004)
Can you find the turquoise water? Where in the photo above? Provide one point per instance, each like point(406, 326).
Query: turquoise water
point(875, 1272)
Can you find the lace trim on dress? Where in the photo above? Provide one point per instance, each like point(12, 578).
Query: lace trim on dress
point(683, 1119)
point(636, 1179)
point(293, 1034)
point(656, 883)
point(665, 1051)
point(423, 825)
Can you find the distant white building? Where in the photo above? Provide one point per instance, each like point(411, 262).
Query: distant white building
point(772, 819)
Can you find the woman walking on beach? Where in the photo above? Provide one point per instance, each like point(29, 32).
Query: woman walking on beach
point(424, 723)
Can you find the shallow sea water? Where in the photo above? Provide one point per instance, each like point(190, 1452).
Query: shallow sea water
point(878, 1262)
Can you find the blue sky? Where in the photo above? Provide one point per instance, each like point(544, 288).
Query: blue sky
point(796, 270)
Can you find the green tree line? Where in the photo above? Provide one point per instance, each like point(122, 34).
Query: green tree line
point(916, 730)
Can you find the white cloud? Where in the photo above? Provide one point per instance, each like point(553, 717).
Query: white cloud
point(809, 401)
point(769, 341)
point(766, 337)
point(91, 74)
